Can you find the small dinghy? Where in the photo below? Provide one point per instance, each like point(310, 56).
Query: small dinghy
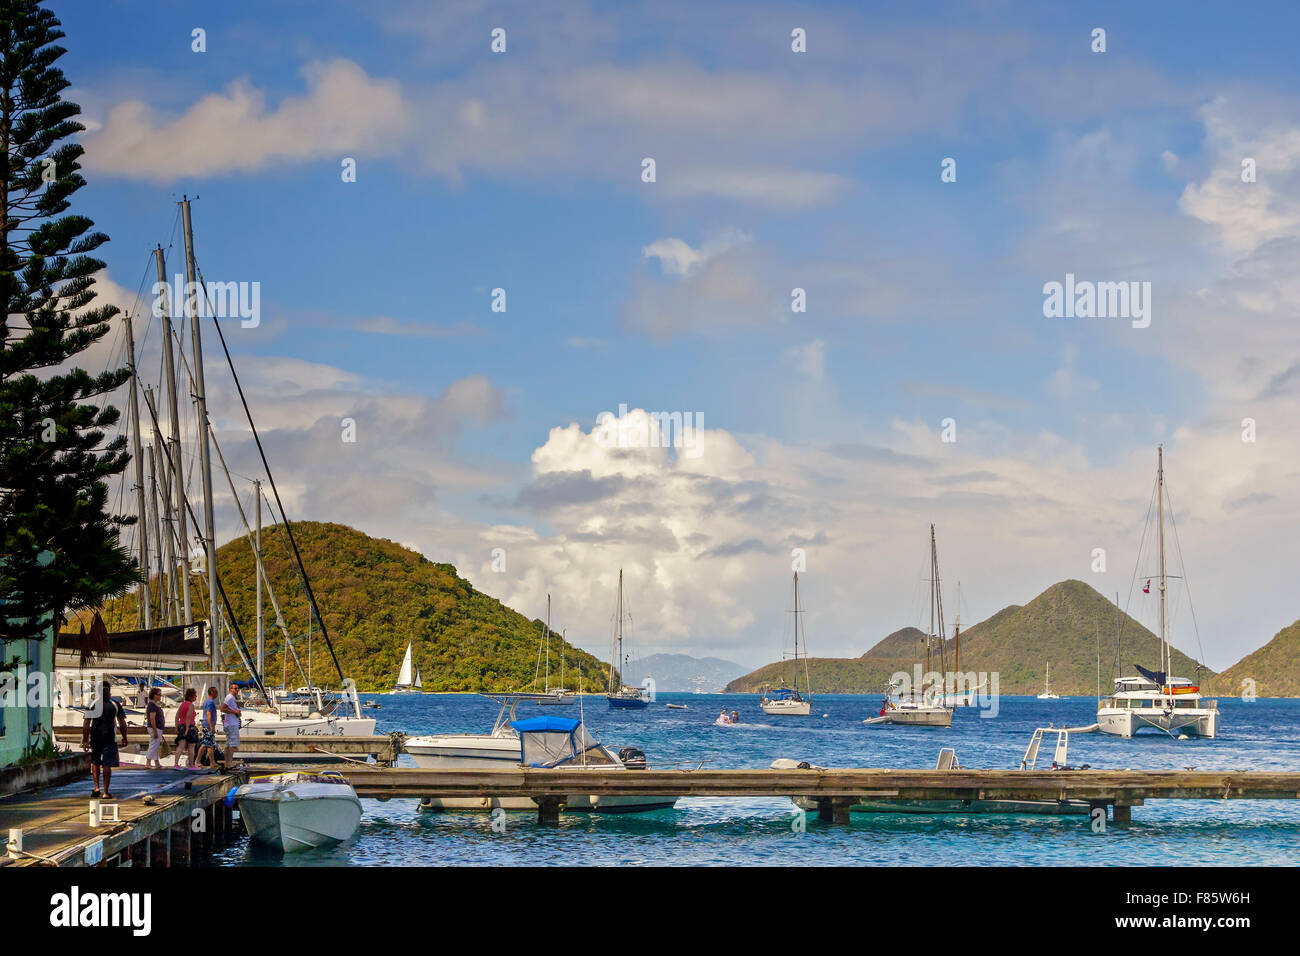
point(298, 811)
point(677, 707)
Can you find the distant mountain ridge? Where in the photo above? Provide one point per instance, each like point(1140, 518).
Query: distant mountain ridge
point(681, 673)
point(1271, 671)
point(377, 595)
point(1068, 625)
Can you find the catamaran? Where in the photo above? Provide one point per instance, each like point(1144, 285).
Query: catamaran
point(1155, 700)
point(785, 701)
point(622, 696)
point(1047, 686)
point(405, 683)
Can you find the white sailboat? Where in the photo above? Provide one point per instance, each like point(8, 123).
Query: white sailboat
point(929, 707)
point(559, 696)
point(784, 701)
point(407, 681)
point(1047, 686)
point(1154, 700)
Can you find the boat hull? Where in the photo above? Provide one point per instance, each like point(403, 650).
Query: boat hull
point(786, 708)
point(1127, 722)
point(628, 703)
point(921, 717)
point(474, 752)
point(302, 817)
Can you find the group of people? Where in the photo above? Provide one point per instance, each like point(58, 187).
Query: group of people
point(195, 728)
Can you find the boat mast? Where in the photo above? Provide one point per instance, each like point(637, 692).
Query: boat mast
point(621, 677)
point(547, 687)
point(956, 634)
point(929, 637)
point(174, 441)
point(796, 634)
point(1160, 506)
point(205, 461)
point(144, 616)
point(154, 523)
point(261, 615)
point(168, 596)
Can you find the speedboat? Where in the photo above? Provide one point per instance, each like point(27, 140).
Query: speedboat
point(298, 811)
point(507, 746)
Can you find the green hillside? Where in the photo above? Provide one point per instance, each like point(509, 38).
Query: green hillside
point(1065, 625)
point(376, 595)
point(1275, 668)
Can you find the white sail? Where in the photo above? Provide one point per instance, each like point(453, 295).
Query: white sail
point(404, 678)
point(418, 682)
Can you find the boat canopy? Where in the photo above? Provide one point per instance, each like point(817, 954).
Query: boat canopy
point(552, 741)
point(1156, 677)
point(782, 693)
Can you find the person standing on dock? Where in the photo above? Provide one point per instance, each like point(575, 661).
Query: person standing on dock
point(186, 731)
point(230, 718)
point(99, 736)
point(207, 755)
point(154, 720)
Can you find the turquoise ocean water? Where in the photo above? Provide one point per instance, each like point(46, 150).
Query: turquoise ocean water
point(1260, 735)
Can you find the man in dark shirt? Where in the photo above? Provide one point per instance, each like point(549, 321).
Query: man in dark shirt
point(98, 735)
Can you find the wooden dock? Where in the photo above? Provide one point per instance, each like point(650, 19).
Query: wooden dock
point(309, 748)
point(834, 789)
point(166, 818)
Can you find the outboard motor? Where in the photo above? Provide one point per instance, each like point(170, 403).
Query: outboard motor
point(632, 758)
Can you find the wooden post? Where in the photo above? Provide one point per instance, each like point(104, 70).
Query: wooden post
point(140, 853)
point(840, 809)
point(209, 826)
point(824, 811)
point(1122, 813)
point(218, 827)
point(180, 843)
point(160, 848)
point(548, 810)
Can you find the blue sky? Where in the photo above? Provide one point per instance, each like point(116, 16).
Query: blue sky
point(775, 170)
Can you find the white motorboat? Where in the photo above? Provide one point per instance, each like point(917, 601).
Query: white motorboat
point(786, 701)
point(299, 811)
point(1047, 686)
point(505, 747)
point(1154, 700)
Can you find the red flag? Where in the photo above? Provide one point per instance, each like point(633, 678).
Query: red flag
point(1146, 588)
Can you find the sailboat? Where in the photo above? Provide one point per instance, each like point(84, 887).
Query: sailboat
point(1153, 699)
point(1047, 686)
point(622, 697)
point(405, 683)
point(919, 708)
point(785, 701)
point(553, 697)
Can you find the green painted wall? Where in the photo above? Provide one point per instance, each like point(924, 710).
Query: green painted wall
point(21, 726)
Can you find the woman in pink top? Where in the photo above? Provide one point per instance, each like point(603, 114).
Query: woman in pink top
point(186, 731)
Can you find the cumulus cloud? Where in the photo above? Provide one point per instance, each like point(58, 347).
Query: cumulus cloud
point(343, 111)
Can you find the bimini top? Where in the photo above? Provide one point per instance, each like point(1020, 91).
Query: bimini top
point(533, 725)
point(782, 693)
point(552, 741)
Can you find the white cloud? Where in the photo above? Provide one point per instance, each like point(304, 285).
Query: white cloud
point(343, 112)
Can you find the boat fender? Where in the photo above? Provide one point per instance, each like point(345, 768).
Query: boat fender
point(230, 798)
point(804, 765)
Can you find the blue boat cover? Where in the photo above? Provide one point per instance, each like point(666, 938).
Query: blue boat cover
point(781, 693)
point(547, 724)
point(1156, 677)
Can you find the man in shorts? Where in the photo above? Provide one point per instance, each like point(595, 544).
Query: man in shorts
point(230, 719)
point(207, 755)
point(99, 736)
